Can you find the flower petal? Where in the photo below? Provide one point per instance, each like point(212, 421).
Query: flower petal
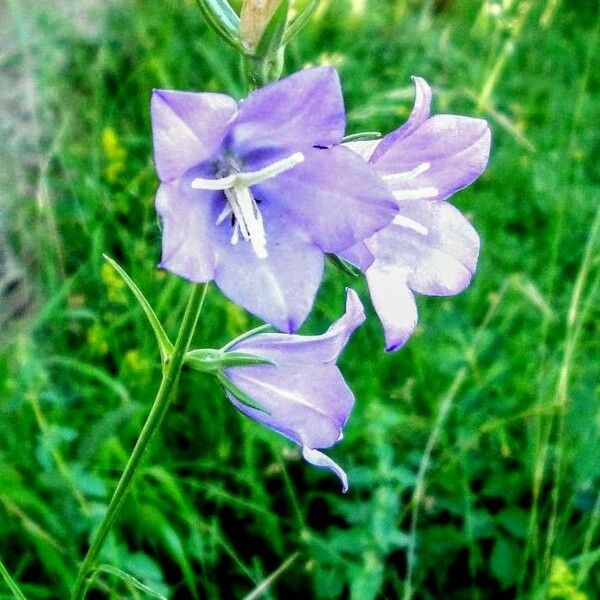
point(303, 110)
point(187, 129)
point(358, 255)
point(433, 244)
point(272, 287)
point(318, 459)
point(443, 155)
point(186, 231)
point(364, 148)
point(308, 405)
point(284, 349)
point(418, 116)
point(394, 303)
point(334, 195)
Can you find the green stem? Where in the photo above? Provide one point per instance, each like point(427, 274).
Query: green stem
point(164, 396)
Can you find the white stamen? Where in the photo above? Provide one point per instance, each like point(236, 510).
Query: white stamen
point(410, 224)
point(395, 178)
point(241, 202)
point(248, 218)
point(418, 194)
point(223, 214)
point(235, 236)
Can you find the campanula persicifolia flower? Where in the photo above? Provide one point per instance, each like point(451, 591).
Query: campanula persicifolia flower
point(254, 193)
point(429, 248)
point(302, 394)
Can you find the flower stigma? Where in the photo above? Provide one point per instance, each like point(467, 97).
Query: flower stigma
point(241, 202)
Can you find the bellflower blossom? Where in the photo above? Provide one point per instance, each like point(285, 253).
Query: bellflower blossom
point(253, 194)
point(429, 248)
point(302, 395)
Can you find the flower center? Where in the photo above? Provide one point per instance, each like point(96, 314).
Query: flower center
point(241, 203)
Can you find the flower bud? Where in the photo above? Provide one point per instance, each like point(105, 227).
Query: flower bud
point(254, 17)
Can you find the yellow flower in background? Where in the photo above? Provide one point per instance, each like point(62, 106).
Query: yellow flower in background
point(562, 584)
point(114, 153)
point(96, 340)
point(115, 287)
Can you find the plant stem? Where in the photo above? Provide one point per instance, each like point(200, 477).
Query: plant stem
point(161, 403)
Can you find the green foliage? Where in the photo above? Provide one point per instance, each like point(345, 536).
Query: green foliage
point(472, 454)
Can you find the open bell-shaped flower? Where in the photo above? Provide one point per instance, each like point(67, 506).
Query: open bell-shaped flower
point(430, 247)
point(254, 193)
point(298, 389)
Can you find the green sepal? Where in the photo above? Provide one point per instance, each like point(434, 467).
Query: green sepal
point(239, 394)
point(245, 336)
point(164, 343)
point(363, 136)
point(296, 26)
point(223, 19)
point(272, 35)
point(212, 361)
point(344, 265)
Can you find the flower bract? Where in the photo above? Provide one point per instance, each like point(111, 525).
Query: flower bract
point(254, 193)
point(301, 394)
point(429, 247)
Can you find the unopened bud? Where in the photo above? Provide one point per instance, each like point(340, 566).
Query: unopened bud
point(254, 17)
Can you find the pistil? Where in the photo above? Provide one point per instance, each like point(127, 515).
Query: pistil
point(241, 202)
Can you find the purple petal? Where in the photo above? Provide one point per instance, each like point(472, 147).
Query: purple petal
point(334, 195)
point(318, 459)
point(303, 110)
point(187, 129)
point(358, 255)
point(308, 405)
point(364, 149)
point(443, 155)
point(419, 114)
point(280, 288)
point(186, 231)
point(301, 350)
point(433, 244)
point(394, 303)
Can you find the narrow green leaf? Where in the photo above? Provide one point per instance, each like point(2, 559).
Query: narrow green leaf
point(272, 36)
point(239, 394)
point(300, 21)
point(164, 344)
point(223, 19)
point(11, 584)
point(130, 579)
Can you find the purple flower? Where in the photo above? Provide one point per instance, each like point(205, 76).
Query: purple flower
point(253, 194)
point(429, 248)
point(302, 395)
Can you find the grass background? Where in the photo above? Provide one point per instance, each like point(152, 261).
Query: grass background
point(473, 453)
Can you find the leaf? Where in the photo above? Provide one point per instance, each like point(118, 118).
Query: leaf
point(505, 562)
point(164, 344)
point(271, 39)
point(297, 25)
point(515, 520)
point(129, 579)
point(11, 584)
point(223, 19)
